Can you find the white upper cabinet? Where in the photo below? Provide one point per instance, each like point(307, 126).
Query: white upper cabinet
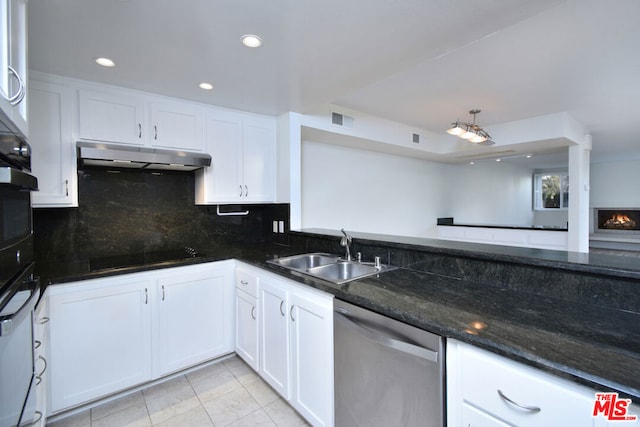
point(176, 125)
point(111, 117)
point(13, 61)
point(243, 166)
point(53, 158)
point(127, 117)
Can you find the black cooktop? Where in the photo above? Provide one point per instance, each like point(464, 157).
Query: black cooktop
point(139, 259)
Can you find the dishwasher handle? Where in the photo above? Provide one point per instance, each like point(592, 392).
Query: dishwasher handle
point(385, 340)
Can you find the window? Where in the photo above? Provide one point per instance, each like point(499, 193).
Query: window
point(551, 190)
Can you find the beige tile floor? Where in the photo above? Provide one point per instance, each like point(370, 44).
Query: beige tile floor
point(228, 393)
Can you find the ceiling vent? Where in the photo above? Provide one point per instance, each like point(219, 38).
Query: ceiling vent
point(341, 120)
point(488, 155)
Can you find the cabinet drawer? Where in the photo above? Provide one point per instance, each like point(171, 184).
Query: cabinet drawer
point(543, 399)
point(247, 282)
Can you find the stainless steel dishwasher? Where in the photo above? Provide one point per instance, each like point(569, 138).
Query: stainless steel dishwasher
point(387, 373)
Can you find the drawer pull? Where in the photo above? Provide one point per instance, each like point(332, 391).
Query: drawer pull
point(244, 282)
point(532, 409)
point(281, 309)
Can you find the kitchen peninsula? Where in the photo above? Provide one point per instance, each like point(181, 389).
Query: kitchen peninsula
point(573, 315)
point(532, 236)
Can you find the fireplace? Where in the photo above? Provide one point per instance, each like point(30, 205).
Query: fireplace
point(621, 220)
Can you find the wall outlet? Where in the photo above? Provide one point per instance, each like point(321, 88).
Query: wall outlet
point(275, 226)
point(281, 226)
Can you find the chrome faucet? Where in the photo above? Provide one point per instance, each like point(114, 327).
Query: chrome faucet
point(345, 242)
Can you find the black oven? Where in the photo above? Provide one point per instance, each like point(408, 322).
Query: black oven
point(19, 290)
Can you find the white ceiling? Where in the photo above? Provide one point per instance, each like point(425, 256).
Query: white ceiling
point(419, 62)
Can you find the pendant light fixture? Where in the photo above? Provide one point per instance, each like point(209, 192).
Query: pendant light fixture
point(471, 131)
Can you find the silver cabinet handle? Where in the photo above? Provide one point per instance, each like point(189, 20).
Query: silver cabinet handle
point(246, 191)
point(44, 369)
point(66, 188)
point(253, 312)
point(37, 344)
point(240, 190)
point(155, 132)
point(291, 313)
point(44, 320)
point(387, 341)
point(533, 409)
point(281, 308)
point(146, 296)
point(162, 292)
point(139, 130)
point(244, 282)
point(19, 96)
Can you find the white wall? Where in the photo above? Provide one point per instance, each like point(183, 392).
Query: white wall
point(615, 184)
point(369, 191)
point(490, 193)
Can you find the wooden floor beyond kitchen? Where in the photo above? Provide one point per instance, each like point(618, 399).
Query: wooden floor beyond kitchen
point(228, 393)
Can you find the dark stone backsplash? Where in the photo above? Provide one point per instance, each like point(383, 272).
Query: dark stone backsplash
point(133, 212)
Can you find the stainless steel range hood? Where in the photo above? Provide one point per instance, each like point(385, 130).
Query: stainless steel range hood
point(122, 156)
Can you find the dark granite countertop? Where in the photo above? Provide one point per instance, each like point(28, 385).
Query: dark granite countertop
point(590, 344)
point(508, 226)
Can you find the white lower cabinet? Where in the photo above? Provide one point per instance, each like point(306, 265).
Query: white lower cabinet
point(487, 390)
point(41, 358)
point(295, 353)
point(247, 312)
point(100, 338)
point(112, 333)
point(311, 332)
point(194, 321)
point(274, 335)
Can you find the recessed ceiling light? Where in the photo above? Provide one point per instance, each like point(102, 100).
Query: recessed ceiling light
point(251, 40)
point(105, 62)
point(206, 86)
point(498, 160)
point(528, 156)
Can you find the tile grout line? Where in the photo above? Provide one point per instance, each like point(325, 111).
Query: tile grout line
point(200, 400)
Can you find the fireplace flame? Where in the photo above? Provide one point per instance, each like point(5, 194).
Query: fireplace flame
point(619, 221)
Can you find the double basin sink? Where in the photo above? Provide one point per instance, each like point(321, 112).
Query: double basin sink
point(330, 267)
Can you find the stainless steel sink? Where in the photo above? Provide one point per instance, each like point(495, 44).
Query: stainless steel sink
point(330, 267)
point(305, 261)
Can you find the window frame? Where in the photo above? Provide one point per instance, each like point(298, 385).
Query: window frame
point(538, 204)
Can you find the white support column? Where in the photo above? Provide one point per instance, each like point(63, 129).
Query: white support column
point(579, 158)
point(289, 180)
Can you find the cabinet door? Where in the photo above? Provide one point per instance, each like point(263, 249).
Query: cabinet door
point(194, 317)
point(176, 125)
point(53, 159)
point(41, 354)
point(247, 328)
point(5, 46)
point(100, 339)
point(311, 323)
point(111, 117)
point(258, 159)
point(224, 143)
point(274, 336)
point(18, 60)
